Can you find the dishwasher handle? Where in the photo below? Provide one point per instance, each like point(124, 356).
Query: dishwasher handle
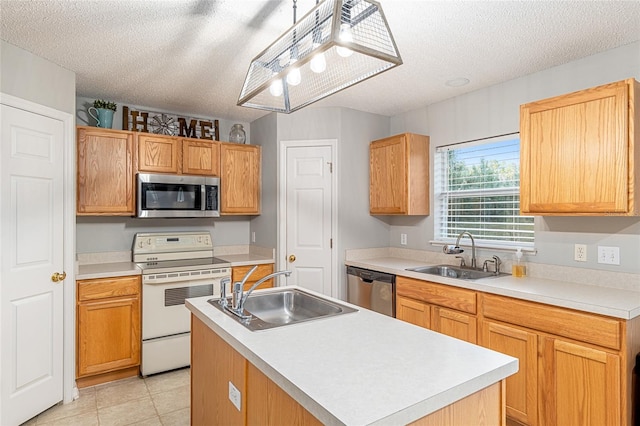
point(369, 277)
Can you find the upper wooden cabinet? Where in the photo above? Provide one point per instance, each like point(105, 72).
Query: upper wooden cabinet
point(240, 179)
point(158, 154)
point(105, 172)
point(580, 152)
point(399, 175)
point(200, 157)
point(168, 154)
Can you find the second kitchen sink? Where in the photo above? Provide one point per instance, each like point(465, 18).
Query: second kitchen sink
point(454, 272)
point(271, 309)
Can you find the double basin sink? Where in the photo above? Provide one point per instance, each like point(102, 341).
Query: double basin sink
point(455, 272)
point(283, 307)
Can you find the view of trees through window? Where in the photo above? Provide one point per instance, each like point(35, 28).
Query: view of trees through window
point(480, 193)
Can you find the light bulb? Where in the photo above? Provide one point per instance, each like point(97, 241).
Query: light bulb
point(276, 88)
point(345, 35)
point(318, 62)
point(294, 77)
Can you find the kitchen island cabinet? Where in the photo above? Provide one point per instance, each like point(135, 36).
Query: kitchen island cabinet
point(108, 329)
point(399, 175)
point(317, 371)
point(580, 153)
point(105, 173)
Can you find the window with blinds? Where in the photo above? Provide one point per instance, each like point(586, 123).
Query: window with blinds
point(477, 189)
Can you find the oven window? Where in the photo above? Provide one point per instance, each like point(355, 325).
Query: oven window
point(164, 196)
point(176, 296)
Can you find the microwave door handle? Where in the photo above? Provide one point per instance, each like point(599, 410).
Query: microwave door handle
point(203, 197)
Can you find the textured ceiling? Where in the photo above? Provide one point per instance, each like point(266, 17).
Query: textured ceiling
point(192, 56)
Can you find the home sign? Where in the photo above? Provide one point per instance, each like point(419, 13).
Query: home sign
point(169, 124)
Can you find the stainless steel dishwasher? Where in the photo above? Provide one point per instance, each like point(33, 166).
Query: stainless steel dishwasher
point(372, 290)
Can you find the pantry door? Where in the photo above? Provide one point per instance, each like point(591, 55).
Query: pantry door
point(31, 253)
point(308, 214)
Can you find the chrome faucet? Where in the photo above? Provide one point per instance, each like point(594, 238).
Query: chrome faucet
point(448, 249)
point(239, 297)
point(223, 290)
point(496, 262)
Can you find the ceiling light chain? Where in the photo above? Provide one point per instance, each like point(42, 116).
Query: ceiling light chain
point(337, 44)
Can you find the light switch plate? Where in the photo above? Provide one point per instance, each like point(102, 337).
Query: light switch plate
point(609, 255)
point(235, 396)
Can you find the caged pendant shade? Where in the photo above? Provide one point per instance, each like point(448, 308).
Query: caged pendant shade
point(337, 44)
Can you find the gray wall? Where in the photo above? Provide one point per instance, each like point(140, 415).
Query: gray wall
point(353, 130)
point(84, 119)
point(107, 234)
point(494, 111)
point(30, 77)
point(264, 131)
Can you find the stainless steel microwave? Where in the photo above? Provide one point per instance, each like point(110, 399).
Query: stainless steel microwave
point(172, 196)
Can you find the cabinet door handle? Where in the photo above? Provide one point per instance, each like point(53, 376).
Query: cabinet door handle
point(57, 277)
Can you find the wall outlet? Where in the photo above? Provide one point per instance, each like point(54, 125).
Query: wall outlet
point(580, 253)
point(253, 236)
point(609, 255)
point(235, 396)
point(403, 239)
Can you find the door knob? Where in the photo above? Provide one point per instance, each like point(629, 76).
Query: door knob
point(56, 277)
point(292, 258)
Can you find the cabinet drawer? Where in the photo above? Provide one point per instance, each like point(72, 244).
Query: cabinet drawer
point(562, 322)
point(102, 288)
point(437, 294)
point(238, 272)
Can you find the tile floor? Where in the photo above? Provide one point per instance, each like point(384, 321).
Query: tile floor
point(158, 400)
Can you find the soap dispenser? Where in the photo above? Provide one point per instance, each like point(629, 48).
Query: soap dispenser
point(518, 269)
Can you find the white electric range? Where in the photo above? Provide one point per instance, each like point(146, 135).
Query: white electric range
point(175, 266)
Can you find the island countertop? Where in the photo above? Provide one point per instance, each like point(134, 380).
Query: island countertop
point(362, 368)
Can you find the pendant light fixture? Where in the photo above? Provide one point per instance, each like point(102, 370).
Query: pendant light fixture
point(337, 44)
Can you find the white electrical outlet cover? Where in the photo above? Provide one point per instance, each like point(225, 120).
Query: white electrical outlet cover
point(235, 396)
point(580, 253)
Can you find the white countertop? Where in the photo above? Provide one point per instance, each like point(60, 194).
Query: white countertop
point(120, 269)
point(107, 270)
point(362, 368)
point(618, 303)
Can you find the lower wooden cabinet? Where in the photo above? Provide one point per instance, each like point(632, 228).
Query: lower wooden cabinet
point(583, 384)
point(431, 306)
point(574, 367)
point(413, 311)
point(522, 387)
point(108, 329)
point(238, 273)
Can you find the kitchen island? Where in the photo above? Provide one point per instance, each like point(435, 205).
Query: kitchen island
point(353, 369)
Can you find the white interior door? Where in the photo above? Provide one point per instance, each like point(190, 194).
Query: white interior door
point(308, 222)
point(31, 250)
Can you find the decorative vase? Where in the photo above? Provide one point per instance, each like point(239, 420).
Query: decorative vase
point(237, 134)
point(103, 116)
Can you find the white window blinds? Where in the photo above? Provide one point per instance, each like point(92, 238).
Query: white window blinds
point(477, 189)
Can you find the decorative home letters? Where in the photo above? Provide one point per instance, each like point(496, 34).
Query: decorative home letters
point(169, 124)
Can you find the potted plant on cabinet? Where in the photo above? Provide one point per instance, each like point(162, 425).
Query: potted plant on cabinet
point(103, 112)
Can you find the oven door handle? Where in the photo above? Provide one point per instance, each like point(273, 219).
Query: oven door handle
point(203, 197)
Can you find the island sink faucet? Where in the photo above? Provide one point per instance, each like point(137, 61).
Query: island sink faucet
point(239, 298)
point(448, 249)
